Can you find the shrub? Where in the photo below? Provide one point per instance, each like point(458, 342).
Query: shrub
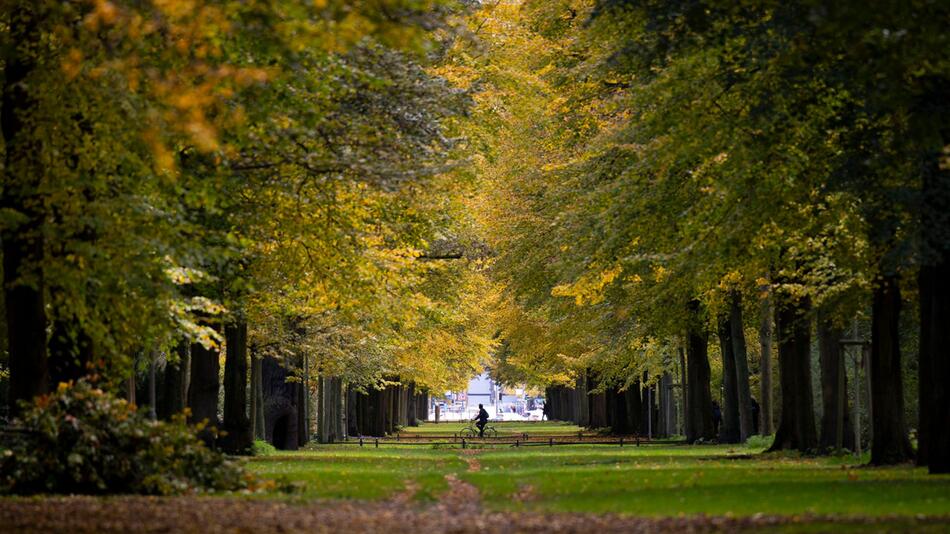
point(80, 439)
point(262, 448)
point(759, 442)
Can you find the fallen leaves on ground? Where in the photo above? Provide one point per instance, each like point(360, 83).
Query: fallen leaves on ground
point(213, 515)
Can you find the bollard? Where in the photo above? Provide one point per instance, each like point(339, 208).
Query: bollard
point(463, 443)
point(638, 440)
point(377, 443)
point(621, 441)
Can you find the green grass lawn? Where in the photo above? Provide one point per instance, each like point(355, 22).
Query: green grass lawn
point(553, 428)
point(663, 481)
point(655, 480)
point(347, 472)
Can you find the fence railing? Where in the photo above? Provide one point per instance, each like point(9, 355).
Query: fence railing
point(508, 441)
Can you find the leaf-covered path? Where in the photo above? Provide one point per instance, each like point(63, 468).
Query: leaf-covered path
point(212, 515)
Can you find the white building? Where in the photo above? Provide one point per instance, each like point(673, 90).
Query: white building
point(482, 390)
point(500, 403)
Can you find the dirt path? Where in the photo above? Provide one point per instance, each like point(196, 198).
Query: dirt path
point(469, 456)
point(462, 498)
point(408, 494)
point(232, 515)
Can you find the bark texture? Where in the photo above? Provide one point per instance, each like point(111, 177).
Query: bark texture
point(832, 365)
point(203, 387)
point(281, 406)
point(582, 401)
point(667, 407)
point(926, 288)
point(765, 367)
point(729, 429)
point(23, 245)
point(239, 435)
point(697, 370)
point(173, 383)
point(938, 402)
point(890, 444)
point(329, 409)
point(684, 387)
point(796, 428)
point(741, 356)
point(257, 399)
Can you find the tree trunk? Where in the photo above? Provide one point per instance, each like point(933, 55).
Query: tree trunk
point(424, 409)
point(257, 403)
point(926, 288)
point(23, 246)
point(130, 393)
point(833, 385)
point(938, 390)
point(237, 425)
point(729, 429)
point(185, 373)
point(697, 369)
point(583, 399)
point(352, 409)
point(684, 387)
point(152, 397)
point(934, 284)
point(741, 355)
point(890, 444)
point(307, 399)
point(635, 421)
point(765, 368)
point(281, 400)
point(411, 409)
point(303, 402)
point(339, 397)
point(330, 415)
point(646, 420)
point(387, 410)
point(667, 407)
point(173, 385)
point(261, 422)
point(321, 410)
point(617, 411)
point(203, 387)
point(796, 428)
point(392, 422)
point(379, 412)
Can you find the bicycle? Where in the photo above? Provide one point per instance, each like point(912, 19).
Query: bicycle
point(471, 431)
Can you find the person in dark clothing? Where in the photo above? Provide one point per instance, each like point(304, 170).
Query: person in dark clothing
point(481, 420)
point(717, 416)
point(755, 415)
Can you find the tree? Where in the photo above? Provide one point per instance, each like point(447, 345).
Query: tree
point(834, 385)
point(744, 394)
point(796, 429)
point(729, 430)
point(197, 188)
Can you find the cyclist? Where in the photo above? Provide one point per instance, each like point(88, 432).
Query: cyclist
point(481, 420)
